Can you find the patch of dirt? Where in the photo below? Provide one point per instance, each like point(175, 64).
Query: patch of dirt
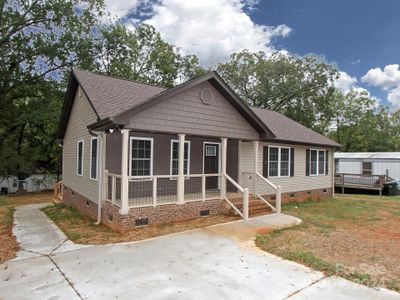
point(8, 244)
point(366, 248)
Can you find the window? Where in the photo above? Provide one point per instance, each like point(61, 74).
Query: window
point(279, 162)
point(313, 162)
point(175, 155)
point(211, 150)
point(321, 162)
point(284, 162)
point(94, 153)
point(79, 158)
point(141, 162)
point(273, 161)
point(367, 168)
point(317, 162)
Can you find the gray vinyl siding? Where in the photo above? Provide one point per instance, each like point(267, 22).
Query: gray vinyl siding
point(162, 153)
point(299, 182)
point(82, 115)
point(186, 113)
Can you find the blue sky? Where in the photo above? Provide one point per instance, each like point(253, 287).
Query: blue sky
point(357, 35)
point(362, 37)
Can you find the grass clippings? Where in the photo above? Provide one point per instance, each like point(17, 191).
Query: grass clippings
point(8, 244)
point(82, 230)
point(353, 236)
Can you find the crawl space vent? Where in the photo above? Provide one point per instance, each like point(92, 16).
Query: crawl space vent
point(141, 222)
point(204, 213)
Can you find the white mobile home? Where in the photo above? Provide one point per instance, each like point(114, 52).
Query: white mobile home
point(367, 163)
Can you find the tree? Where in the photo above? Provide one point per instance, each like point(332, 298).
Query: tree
point(141, 54)
point(299, 87)
point(40, 41)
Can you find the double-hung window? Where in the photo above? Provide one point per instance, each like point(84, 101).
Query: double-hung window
point(317, 162)
point(141, 162)
point(94, 153)
point(278, 161)
point(79, 158)
point(175, 157)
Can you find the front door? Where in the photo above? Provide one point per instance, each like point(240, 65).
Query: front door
point(211, 164)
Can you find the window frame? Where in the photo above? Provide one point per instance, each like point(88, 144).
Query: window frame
point(77, 156)
point(279, 161)
point(171, 158)
point(363, 169)
point(138, 138)
point(318, 150)
point(97, 158)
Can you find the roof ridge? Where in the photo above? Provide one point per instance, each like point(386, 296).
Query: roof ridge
point(120, 78)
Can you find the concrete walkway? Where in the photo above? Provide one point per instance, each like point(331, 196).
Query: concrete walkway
point(197, 264)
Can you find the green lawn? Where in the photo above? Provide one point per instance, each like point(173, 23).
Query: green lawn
point(354, 236)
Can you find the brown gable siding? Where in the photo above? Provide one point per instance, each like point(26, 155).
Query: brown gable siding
point(186, 113)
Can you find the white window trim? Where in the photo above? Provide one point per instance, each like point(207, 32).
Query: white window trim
point(131, 139)
point(317, 169)
point(171, 156)
point(77, 156)
point(279, 162)
point(97, 159)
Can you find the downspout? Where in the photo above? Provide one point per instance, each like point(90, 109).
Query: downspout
point(101, 160)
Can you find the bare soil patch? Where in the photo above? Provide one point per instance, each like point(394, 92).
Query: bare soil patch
point(82, 230)
point(354, 236)
point(8, 244)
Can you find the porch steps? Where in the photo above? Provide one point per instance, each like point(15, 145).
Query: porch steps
point(256, 206)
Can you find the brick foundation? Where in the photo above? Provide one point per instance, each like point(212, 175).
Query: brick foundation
point(170, 212)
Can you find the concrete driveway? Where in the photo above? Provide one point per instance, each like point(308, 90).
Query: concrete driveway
point(199, 264)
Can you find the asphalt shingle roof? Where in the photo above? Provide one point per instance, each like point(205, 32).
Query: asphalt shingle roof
point(111, 96)
point(286, 129)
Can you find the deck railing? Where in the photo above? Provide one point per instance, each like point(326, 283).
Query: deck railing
point(361, 179)
point(58, 192)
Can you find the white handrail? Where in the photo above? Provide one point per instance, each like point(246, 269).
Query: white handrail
point(267, 181)
point(236, 185)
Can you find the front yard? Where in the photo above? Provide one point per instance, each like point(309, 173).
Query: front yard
point(353, 236)
point(8, 244)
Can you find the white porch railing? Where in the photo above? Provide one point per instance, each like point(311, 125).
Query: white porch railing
point(262, 187)
point(238, 195)
point(144, 191)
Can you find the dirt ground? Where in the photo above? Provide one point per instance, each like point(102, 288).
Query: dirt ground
point(81, 229)
point(8, 244)
point(354, 236)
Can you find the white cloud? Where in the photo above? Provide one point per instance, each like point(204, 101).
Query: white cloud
point(394, 96)
point(345, 82)
point(211, 29)
point(120, 8)
point(388, 79)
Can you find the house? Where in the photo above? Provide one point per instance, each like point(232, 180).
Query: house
point(135, 154)
point(368, 163)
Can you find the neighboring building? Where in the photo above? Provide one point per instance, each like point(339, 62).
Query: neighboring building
point(149, 154)
point(368, 163)
point(34, 183)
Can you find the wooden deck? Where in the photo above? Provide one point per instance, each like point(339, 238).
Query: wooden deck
point(361, 181)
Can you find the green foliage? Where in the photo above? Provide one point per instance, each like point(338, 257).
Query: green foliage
point(299, 87)
point(40, 40)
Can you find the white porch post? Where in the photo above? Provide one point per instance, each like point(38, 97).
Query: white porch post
point(255, 166)
point(224, 145)
point(124, 172)
point(181, 175)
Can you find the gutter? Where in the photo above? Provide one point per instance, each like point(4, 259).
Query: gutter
point(101, 161)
